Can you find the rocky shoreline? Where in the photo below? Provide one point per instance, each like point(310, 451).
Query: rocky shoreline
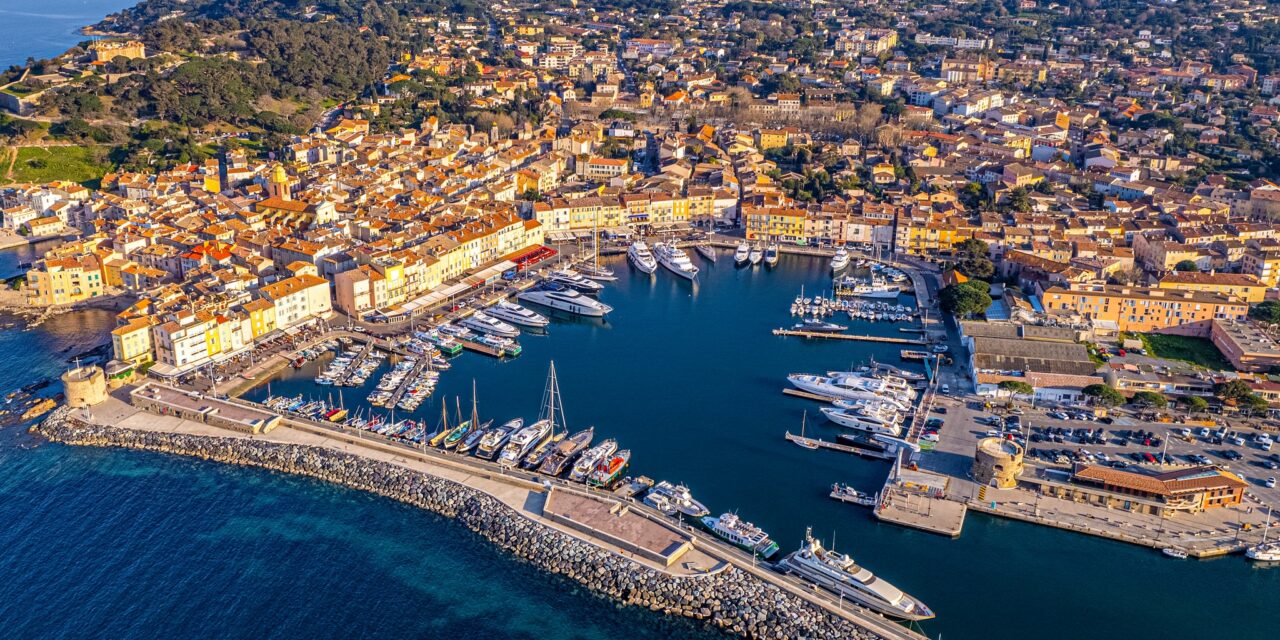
point(732, 600)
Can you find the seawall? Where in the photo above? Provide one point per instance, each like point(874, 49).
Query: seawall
point(732, 600)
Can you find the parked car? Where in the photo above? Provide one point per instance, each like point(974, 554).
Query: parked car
point(1271, 482)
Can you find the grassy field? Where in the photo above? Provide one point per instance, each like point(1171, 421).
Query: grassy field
point(78, 164)
point(1194, 350)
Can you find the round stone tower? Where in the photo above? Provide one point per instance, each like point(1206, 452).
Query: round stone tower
point(84, 386)
point(998, 463)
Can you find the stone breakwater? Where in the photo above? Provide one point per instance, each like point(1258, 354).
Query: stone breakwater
point(732, 600)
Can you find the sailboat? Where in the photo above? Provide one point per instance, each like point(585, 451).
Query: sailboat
point(594, 270)
point(524, 441)
point(1264, 551)
point(807, 443)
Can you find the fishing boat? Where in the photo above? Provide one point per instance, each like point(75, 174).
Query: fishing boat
point(846, 493)
point(590, 458)
point(575, 281)
point(641, 258)
point(565, 451)
point(742, 254)
point(839, 574)
point(675, 260)
point(706, 251)
point(771, 255)
point(840, 261)
point(610, 470)
point(495, 437)
point(515, 314)
point(485, 323)
point(755, 255)
point(554, 296)
point(680, 499)
point(819, 326)
point(742, 534)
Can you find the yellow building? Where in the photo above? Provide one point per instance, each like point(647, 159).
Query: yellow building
point(775, 224)
point(56, 281)
point(107, 50)
point(1239, 285)
point(262, 317)
point(1141, 309)
point(771, 139)
point(131, 343)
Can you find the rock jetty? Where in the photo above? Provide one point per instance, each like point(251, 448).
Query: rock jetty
point(732, 600)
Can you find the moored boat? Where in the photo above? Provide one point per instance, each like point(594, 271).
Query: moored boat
point(680, 498)
point(562, 298)
point(524, 441)
point(590, 458)
point(485, 323)
point(742, 253)
point(846, 493)
point(565, 451)
point(742, 534)
point(675, 260)
point(840, 260)
point(515, 314)
point(771, 255)
point(819, 326)
point(839, 574)
point(706, 251)
point(756, 255)
point(641, 258)
point(575, 281)
point(496, 437)
point(610, 470)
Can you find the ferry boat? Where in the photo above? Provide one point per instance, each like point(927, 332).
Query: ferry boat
point(565, 299)
point(840, 261)
point(592, 457)
point(494, 438)
point(771, 255)
point(742, 253)
point(641, 258)
point(675, 260)
point(610, 470)
point(839, 574)
point(565, 451)
point(575, 281)
point(524, 441)
point(866, 418)
point(505, 346)
point(756, 255)
point(819, 326)
point(742, 534)
point(706, 251)
point(485, 323)
point(517, 315)
point(846, 493)
point(680, 499)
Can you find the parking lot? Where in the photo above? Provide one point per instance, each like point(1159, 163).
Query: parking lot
point(1059, 438)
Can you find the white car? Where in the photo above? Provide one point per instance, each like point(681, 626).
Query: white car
point(1271, 482)
point(940, 348)
point(929, 437)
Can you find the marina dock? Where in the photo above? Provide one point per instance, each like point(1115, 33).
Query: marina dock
point(408, 380)
point(845, 336)
point(916, 498)
point(810, 443)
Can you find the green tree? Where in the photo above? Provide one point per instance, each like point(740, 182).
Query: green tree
point(1234, 390)
point(1017, 387)
point(1104, 394)
point(1194, 404)
point(1149, 399)
point(1254, 403)
point(962, 300)
point(1267, 311)
point(1187, 266)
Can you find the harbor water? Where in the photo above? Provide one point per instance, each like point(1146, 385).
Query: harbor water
point(46, 29)
point(123, 544)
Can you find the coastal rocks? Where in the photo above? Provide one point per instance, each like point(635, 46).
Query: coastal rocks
point(732, 600)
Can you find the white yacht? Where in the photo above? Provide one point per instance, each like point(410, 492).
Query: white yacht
point(853, 387)
point(641, 257)
point(894, 383)
point(590, 458)
point(675, 260)
point(887, 291)
point(840, 260)
point(742, 533)
point(771, 255)
point(866, 418)
point(516, 314)
point(492, 441)
point(839, 574)
point(706, 251)
point(679, 497)
point(485, 323)
point(1264, 551)
point(742, 253)
point(524, 441)
point(565, 299)
point(575, 281)
point(756, 255)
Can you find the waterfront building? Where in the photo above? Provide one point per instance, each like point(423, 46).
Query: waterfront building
point(59, 281)
point(298, 299)
point(1167, 494)
point(131, 343)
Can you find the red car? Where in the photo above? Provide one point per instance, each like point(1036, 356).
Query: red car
point(1149, 458)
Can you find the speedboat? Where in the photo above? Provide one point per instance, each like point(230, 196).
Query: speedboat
point(516, 314)
point(524, 441)
point(555, 296)
point(771, 255)
point(493, 439)
point(706, 251)
point(675, 260)
point(641, 257)
point(820, 326)
point(485, 323)
point(742, 253)
point(839, 574)
point(590, 458)
point(742, 534)
point(840, 260)
point(575, 281)
point(756, 255)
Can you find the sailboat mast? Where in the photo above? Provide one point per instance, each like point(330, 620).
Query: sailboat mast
point(475, 416)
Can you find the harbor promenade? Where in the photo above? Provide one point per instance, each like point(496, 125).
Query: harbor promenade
point(524, 492)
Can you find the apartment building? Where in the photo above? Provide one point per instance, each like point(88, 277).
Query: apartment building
point(1142, 309)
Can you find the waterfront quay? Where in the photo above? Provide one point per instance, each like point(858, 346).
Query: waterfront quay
point(707, 569)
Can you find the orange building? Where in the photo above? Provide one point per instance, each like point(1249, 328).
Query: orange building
point(1143, 309)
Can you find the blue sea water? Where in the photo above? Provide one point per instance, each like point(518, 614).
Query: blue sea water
point(45, 29)
point(118, 544)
